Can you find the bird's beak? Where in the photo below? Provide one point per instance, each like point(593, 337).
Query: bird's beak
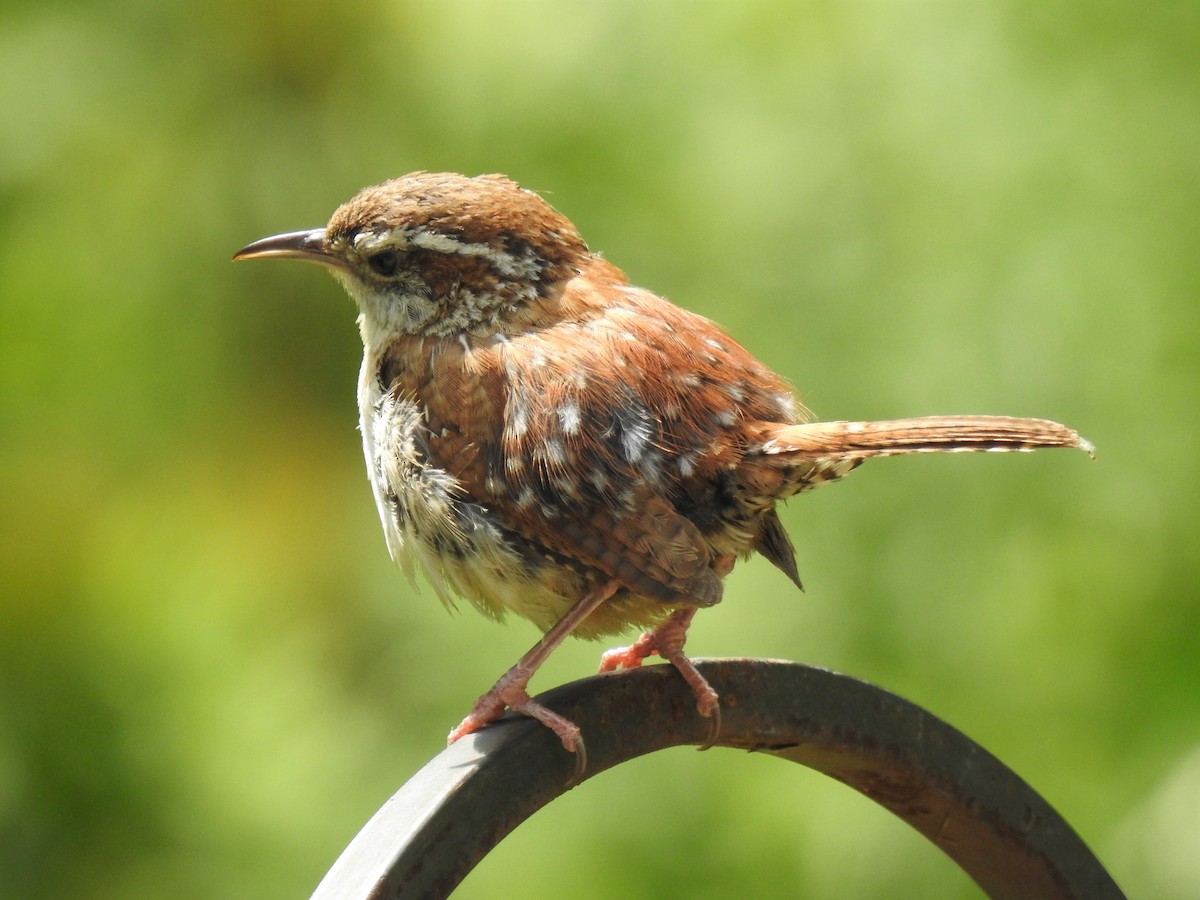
point(305, 245)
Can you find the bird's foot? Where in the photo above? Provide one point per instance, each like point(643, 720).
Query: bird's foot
point(509, 692)
point(630, 657)
point(667, 641)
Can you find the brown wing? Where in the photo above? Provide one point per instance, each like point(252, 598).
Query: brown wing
point(607, 439)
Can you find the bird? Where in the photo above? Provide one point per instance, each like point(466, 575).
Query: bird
point(544, 438)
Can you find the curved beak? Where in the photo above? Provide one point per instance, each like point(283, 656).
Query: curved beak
point(305, 245)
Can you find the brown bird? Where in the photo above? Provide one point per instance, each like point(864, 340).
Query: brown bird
point(544, 438)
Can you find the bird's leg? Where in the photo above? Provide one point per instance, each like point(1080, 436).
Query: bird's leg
point(510, 691)
point(667, 641)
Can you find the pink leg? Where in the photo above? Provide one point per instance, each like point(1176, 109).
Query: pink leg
point(667, 641)
point(510, 692)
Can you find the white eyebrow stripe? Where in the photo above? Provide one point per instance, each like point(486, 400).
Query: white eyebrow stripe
point(367, 241)
point(444, 243)
point(501, 260)
point(524, 267)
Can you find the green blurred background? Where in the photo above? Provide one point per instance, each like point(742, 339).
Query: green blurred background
point(210, 673)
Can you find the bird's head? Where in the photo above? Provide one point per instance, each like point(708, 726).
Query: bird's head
point(438, 254)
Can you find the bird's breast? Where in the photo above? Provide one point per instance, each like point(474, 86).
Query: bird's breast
point(426, 416)
point(428, 521)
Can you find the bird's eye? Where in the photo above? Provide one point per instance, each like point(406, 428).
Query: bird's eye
point(385, 263)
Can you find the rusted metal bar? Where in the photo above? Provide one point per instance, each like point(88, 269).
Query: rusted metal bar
point(434, 830)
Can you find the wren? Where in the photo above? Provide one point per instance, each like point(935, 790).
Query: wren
point(546, 439)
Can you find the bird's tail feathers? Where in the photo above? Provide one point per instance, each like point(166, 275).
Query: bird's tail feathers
point(928, 434)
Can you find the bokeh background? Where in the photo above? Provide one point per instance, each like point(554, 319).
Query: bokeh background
point(210, 673)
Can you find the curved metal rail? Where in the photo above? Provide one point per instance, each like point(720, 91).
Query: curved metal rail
point(434, 830)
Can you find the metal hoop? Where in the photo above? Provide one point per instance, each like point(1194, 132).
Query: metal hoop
point(434, 830)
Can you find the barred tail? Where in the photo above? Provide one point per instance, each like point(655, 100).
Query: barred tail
point(929, 434)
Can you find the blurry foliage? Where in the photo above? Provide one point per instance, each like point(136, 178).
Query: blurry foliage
point(210, 674)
